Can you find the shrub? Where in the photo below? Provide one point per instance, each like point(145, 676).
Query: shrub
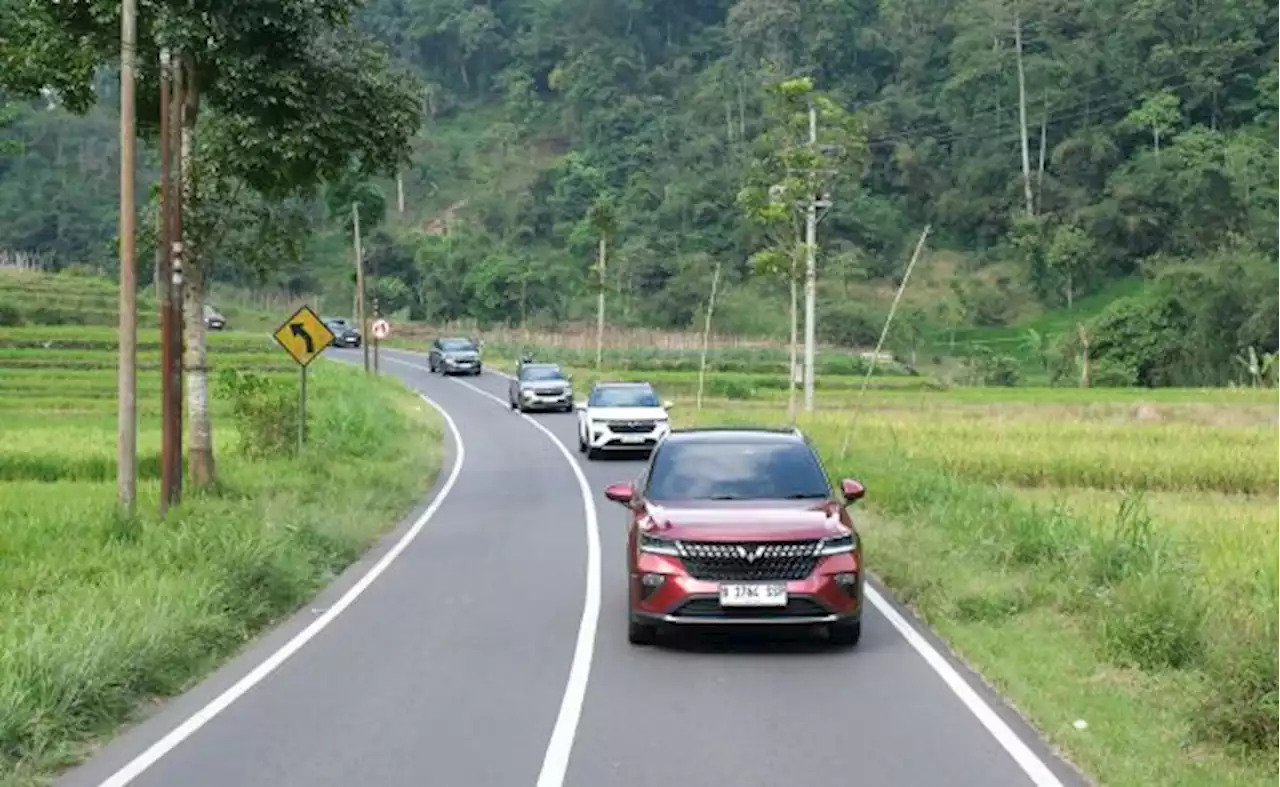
point(1154, 620)
point(1244, 705)
point(265, 411)
point(10, 314)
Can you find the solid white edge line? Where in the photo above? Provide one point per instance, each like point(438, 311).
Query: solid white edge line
point(555, 763)
point(195, 721)
point(1027, 760)
point(1032, 765)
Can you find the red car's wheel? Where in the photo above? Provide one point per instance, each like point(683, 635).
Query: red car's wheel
point(641, 634)
point(845, 635)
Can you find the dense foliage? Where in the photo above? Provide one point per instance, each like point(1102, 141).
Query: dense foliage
point(1058, 146)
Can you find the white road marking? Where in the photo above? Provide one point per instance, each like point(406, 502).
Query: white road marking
point(195, 721)
point(555, 763)
point(1032, 765)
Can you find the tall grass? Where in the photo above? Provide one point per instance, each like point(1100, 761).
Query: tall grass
point(1135, 584)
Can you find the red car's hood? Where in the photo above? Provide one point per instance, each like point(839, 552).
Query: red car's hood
point(737, 520)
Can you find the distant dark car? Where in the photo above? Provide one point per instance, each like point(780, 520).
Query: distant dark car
point(455, 356)
point(740, 527)
point(344, 333)
point(213, 319)
point(540, 386)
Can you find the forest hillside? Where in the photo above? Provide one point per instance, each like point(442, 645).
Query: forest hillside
point(1105, 162)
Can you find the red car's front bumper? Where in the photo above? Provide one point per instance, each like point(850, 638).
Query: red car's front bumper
point(829, 595)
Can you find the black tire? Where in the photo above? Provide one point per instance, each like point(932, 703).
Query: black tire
point(513, 405)
point(641, 634)
point(582, 444)
point(845, 635)
point(592, 453)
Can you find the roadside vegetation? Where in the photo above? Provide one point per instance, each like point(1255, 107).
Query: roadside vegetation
point(1109, 560)
point(1104, 555)
point(100, 613)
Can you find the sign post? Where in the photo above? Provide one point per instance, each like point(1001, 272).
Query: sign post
point(381, 330)
point(304, 336)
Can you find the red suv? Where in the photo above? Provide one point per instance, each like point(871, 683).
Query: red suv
point(741, 527)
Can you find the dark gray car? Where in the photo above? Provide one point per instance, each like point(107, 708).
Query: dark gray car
point(455, 356)
point(344, 333)
point(540, 386)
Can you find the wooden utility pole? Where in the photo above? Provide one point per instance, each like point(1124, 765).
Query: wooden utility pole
point(127, 382)
point(164, 277)
point(377, 315)
point(360, 316)
point(172, 189)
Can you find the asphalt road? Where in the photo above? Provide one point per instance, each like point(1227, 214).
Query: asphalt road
point(483, 644)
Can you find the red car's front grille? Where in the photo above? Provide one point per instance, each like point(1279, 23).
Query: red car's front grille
point(780, 561)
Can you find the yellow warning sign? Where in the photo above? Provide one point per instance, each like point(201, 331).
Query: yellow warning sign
point(304, 336)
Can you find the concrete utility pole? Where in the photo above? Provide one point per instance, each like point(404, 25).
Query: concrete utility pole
point(127, 381)
point(603, 255)
point(360, 316)
point(814, 203)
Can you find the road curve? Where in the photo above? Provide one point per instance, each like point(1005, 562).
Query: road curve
point(457, 660)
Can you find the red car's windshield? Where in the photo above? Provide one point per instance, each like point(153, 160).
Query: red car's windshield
point(736, 470)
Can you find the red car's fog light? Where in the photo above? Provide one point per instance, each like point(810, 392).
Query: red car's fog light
point(649, 584)
point(848, 583)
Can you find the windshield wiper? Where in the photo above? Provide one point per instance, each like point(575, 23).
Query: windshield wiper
point(725, 497)
point(804, 496)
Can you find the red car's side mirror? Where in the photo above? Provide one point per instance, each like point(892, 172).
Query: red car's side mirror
point(853, 490)
point(621, 493)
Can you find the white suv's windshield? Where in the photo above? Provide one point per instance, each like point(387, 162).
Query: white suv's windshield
point(736, 470)
point(624, 396)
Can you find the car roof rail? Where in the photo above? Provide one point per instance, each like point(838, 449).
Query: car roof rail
point(780, 430)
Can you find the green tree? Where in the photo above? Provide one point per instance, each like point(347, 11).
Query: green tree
point(292, 109)
point(811, 144)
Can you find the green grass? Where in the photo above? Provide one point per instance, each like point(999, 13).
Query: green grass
point(73, 299)
point(99, 612)
point(1094, 560)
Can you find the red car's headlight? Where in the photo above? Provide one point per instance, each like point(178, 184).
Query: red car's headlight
point(658, 546)
point(838, 546)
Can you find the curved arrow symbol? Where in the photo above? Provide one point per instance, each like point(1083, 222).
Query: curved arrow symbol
point(298, 329)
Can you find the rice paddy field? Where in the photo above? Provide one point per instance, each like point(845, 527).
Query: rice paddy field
point(101, 611)
point(1108, 557)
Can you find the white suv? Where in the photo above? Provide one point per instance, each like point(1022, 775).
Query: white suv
point(621, 417)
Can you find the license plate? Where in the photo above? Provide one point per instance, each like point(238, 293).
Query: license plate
point(753, 595)
point(633, 438)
